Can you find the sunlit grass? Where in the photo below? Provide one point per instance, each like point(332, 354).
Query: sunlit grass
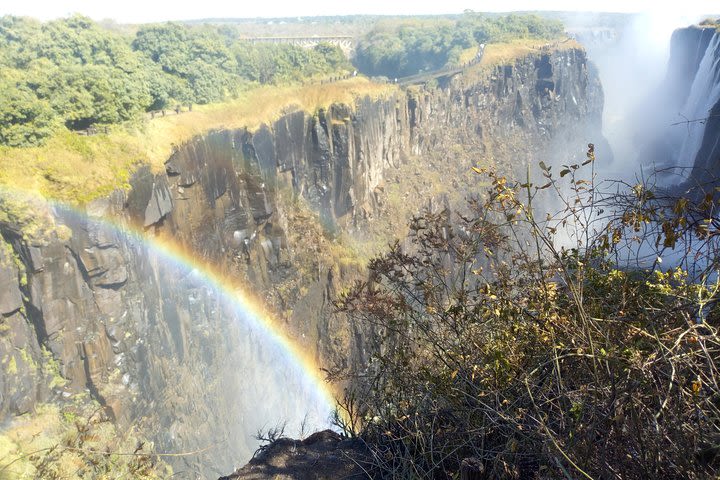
point(468, 54)
point(254, 108)
point(76, 169)
point(27, 434)
point(502, 53)
point(59, 442)
point(506, 53)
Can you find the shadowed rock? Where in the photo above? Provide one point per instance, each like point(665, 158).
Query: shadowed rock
point(10, 297)
point(322, 456)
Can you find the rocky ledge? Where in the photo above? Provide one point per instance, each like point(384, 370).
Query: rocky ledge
point(322, 456)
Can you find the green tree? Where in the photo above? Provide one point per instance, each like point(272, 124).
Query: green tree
point(199, 58)
point(409, 47)
point(87, 75)
point(25, 120)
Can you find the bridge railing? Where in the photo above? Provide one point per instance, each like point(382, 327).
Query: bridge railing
point(328, 38)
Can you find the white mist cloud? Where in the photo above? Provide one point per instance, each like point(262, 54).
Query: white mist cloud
point(632, 70)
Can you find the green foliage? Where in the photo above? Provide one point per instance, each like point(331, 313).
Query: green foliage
point(518, 338)
point(74, 73)
point(97, 94)
point(199, 58)
point(403, 49)
point(278, 63)
point(24, 118)
point(66, 71)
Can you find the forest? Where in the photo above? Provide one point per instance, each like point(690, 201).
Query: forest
point(403, 48)
point(74, 73)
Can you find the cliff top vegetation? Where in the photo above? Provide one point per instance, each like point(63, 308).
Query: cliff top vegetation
point(72, 74)
point(508, 52)
point(78, 168)
point(399, 48)
point(85, 104)
point(710, 22)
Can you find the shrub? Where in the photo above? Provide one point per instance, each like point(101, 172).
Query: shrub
point(544, 346)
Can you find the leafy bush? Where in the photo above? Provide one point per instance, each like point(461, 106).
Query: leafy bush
point(544, 346)
point(278, 63)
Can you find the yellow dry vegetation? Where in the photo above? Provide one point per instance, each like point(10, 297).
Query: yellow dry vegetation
point(508, 52)
point(468, 54)
point(55, 442)
point(76, 169)
point(254, 108)
point(27, 434)
point(710, 23)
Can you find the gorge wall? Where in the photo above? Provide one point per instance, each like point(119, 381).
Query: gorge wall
point(88, 310)
point(682, 137)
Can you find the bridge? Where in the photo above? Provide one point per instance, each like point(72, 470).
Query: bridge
point(345, 42)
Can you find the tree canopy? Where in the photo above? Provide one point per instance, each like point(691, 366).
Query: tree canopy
point(408, 47)
point(74, 73)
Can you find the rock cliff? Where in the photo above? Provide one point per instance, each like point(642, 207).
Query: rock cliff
point(87, 309)
point(682, 135)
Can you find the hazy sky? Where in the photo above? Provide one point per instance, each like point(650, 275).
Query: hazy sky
point(135, 11)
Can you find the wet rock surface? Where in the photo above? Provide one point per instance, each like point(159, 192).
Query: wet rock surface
point(10, 297)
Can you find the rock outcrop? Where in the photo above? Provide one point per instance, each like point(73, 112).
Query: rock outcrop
point(92, 310)
point(322, 456)
point(681, 136)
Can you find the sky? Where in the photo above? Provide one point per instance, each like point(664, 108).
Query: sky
point(140, 11)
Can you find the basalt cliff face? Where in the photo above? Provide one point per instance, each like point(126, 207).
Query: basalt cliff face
point(87, 309)
point(683, 138)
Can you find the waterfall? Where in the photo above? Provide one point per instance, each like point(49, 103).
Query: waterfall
point(704, 94)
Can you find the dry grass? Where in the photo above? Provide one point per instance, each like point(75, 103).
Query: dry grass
point(73, 441)
point(71, 167)
point(27, 434)
point(503, 53)
point(468, 54)
point(254, 108)
point(508, 52)
point(77, 169)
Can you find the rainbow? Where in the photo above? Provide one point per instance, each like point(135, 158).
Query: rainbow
point(250, 309)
